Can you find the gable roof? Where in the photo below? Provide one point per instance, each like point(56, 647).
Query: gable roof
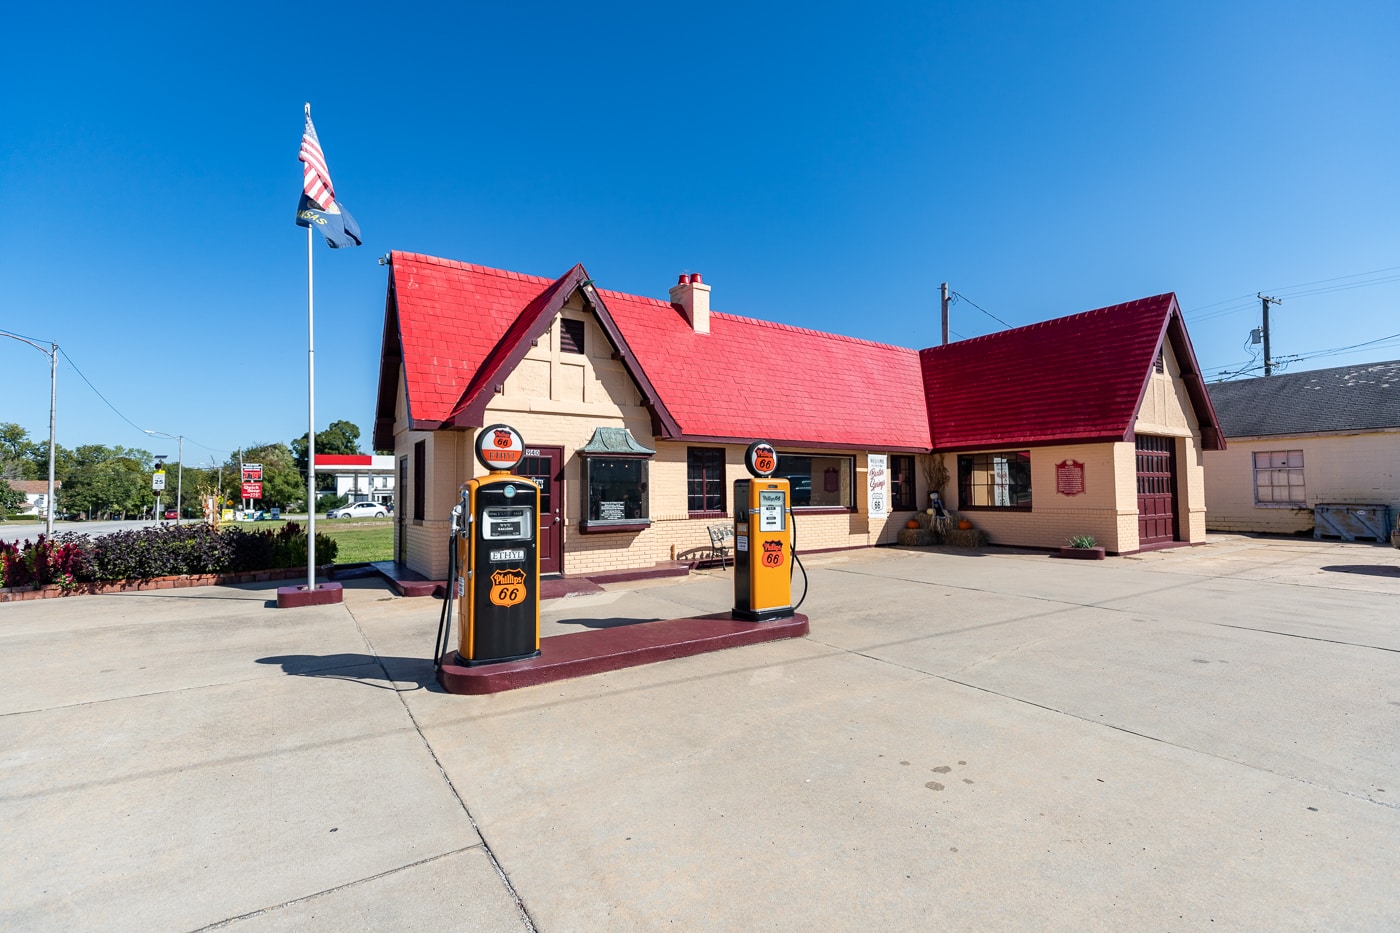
point(456, 330)
point(1341, 399)
point(33, 487)
point(1072, 379)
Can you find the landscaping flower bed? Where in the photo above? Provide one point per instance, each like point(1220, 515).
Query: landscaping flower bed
point(153, 558)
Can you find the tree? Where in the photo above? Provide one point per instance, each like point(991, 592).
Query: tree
point(115, 486)
point(10, 498)
point(341, 437)
point(17, 453)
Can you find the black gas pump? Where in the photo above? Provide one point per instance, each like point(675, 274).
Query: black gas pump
point(494, 572)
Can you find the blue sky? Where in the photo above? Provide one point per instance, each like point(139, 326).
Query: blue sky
point(824, 165)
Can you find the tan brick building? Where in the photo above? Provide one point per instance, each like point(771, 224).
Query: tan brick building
point(680, 390)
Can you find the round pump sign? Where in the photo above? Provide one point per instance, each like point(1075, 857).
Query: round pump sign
point(761, 458)
point(499, 447)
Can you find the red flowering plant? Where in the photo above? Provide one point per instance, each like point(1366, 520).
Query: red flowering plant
point(41, 562)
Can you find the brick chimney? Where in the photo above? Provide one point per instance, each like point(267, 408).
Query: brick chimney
point(693, 297)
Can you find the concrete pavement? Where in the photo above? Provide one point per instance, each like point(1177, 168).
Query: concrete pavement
point(968, 740)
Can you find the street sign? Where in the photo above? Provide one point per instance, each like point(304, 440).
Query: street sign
point(252, 472)
point(252, 490)
point(158, 481)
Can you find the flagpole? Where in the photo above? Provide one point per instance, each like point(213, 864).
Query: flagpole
point(311, 418)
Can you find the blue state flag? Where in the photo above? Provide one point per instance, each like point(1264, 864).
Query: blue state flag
point(336, 224)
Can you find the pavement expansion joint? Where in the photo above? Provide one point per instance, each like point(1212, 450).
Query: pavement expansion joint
point(1329, 641)
point(485, 845)
point(262, 911)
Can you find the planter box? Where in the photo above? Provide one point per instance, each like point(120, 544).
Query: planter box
point(1082, 553)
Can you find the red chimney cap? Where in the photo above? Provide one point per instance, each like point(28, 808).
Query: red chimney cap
point(684, 279)
point(695, 278)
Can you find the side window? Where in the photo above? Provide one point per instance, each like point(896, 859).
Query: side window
point(420, 479)
point(705, 481)
point(1278, 479)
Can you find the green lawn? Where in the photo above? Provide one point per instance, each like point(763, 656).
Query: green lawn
point(358, 539)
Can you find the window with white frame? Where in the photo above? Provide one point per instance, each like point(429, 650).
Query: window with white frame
point(1278, 479)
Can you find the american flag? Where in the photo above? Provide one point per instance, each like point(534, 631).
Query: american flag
point(316, 177)
point(317, 206)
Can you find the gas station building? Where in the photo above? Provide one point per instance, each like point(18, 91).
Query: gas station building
point(636, 413)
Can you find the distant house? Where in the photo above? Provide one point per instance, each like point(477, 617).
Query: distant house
point(36, 494)
point(1330, 436)
point(636, 411)
point(360, 477)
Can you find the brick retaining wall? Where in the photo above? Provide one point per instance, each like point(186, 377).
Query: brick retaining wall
point(154, 583)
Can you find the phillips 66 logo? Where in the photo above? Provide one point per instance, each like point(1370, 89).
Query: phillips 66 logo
point(508, 587)
point(502, 438)
point(772, 553)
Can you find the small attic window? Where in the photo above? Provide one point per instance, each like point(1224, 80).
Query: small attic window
point(1161, 364)
point(570, 336)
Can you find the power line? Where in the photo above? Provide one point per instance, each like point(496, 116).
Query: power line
point(10, 333)
point(99, 394)
point(959, 296)
point(118, 412)
point(1244, 302)
point(1231, 370)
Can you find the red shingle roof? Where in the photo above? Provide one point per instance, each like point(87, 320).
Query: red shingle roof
point(451, 315)
point(1076, 378)
point(459, 329)
point(748, 378)
point(462, 327)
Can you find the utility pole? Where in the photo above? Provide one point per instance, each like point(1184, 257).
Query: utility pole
point(52, 354)
point(1265, 300)
point(944, 290)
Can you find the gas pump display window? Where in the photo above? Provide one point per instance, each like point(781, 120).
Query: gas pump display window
point(507, 523)
point(772, 511)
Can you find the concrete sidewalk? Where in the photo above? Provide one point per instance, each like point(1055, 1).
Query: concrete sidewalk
point(976, 740)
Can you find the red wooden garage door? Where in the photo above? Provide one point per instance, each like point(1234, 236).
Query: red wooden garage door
point(1156, 486)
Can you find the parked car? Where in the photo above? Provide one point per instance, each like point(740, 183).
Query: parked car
point(359, 510)
point(171, 514)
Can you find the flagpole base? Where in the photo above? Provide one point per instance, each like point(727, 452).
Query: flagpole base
point(294, 597)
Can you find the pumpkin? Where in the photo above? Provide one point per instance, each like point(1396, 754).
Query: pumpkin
point(912, 523)
point(965, 525)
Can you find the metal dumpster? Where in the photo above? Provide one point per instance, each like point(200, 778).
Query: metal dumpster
point(1350, 521)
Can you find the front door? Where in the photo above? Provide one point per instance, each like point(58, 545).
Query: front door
point(545, 466)
point(1156, 486)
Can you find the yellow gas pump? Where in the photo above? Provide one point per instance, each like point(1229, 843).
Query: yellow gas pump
point(763, 552)
point(497, 588)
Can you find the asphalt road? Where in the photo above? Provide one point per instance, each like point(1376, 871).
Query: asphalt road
point(20, 531)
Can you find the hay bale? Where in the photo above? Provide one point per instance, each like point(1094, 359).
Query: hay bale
point(970, 537)
point(915, 537)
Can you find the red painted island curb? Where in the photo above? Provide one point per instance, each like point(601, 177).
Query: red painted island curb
point(294, 597)
point(581, 653)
